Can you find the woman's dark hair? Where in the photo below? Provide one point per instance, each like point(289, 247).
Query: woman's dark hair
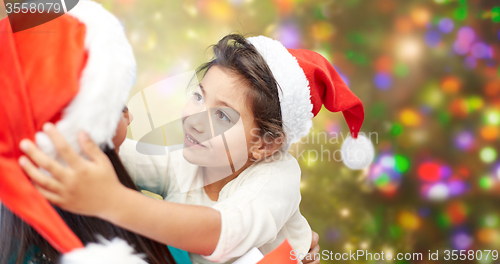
point(236, 55)
point(16, 237)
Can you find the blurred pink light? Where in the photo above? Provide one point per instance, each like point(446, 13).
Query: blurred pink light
point(466, 34)
point(461, 47)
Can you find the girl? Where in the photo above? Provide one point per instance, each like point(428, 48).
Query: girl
point(257, 205)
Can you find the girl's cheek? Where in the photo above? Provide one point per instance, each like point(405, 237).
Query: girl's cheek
point(236, 139)
point(121, 133)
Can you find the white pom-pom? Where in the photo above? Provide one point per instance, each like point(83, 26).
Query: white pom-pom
point(357, 153)
point(116, 251)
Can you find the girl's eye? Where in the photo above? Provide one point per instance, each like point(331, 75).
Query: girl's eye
point(197, 97)
point(222, 116)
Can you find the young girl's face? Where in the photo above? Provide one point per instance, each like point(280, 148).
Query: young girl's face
point(217, 122)
point(121, 129)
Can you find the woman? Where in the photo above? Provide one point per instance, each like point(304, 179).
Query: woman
point(78, 70)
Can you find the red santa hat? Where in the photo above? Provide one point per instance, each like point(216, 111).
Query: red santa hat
point(308, 82)
point(75, 71)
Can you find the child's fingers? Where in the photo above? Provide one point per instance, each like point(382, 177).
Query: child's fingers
point(41, 159)
point(315, 239)
point(90, 149)
point(51, 197)
point(63, 148)
point(44, 181)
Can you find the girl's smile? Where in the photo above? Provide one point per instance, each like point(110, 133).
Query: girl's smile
point(191, 142)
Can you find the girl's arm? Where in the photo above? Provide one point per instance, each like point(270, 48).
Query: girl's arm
point(149, 172)
point(91, 187)
point(173, 224)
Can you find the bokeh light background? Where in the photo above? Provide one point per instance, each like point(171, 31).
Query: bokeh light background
point(428, 73)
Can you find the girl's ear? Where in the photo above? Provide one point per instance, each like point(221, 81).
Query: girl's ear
point(265, 148)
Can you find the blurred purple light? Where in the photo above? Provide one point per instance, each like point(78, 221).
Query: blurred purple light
point(464, 140)
point(462, 241)
point(496, 171)
point(342, 76)
point(457, 187)
point(446, 25)
point(432, 38)
point(383, 81)
point(289, 36)
point(424, 211)
point(470, 62)
point(332, 234)
point(466, 34)
point(480, 50)
point(425, 109)
point(445, 172)
point(461, 47)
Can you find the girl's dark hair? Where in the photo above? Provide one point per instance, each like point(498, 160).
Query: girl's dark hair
point(236, 55)
point(16, 237)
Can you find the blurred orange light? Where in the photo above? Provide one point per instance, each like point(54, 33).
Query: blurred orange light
point(284, 7)
point(322, 31)
point(490, 133)
point(451, 85)
point(219, 10)
point(403, 25)
point(459, 107)
point(410, 118)
point(487, 235)
point(492, 88)
point(383, 64)
point(420, 16)
point(409, 221)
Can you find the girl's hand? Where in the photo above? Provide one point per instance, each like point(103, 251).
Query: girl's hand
point(87, 187)
point(313, 251)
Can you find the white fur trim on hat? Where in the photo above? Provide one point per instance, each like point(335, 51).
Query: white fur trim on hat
point(116, 251)
point(295, 98)
point(105, 83)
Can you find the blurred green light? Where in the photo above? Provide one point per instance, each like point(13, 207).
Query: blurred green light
point(395, 231)
point(460, 13)
point(401, 70)
point(382, 180)
point(491, 220)
point(402, 163)
point(443, 220)
point(475, 102)
point(485, 182)
point(492, 117)
point(495, 14)
point(444, 117)
point(396, 129)
point(350, 54)
point(488, 154)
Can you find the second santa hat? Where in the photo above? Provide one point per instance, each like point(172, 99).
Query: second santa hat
point(308, 81)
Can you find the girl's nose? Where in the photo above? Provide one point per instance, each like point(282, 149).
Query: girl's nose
point(130, 118)
point(199, 121)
